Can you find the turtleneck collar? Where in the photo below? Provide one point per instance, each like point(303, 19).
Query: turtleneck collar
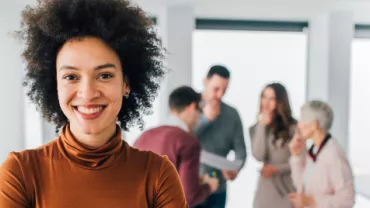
point(86, 157)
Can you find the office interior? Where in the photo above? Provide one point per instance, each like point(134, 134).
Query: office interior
point(319, 49)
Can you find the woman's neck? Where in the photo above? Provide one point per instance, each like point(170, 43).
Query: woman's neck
point(94, 141)
point(318, 137)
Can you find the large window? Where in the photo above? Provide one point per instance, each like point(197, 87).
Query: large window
point(254, 58)
point(359, 106)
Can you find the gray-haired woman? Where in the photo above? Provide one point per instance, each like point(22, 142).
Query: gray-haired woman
point(323, 176)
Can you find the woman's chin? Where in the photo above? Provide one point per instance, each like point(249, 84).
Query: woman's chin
point(85, 128)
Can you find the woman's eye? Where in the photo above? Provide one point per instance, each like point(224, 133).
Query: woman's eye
point(70, 77)
point(105, 76)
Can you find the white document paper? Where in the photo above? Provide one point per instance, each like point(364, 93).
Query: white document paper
point(219, 162)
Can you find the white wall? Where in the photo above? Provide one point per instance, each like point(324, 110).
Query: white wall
point(254, 9)
point(294, 10)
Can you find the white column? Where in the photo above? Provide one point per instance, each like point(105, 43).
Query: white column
point(330, 65)
point(341, 34)
point(176, 25)
point(318, 58)
point(32, 125)
point(11, 105)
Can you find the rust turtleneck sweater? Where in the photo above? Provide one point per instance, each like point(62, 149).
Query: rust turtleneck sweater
point(67, 174)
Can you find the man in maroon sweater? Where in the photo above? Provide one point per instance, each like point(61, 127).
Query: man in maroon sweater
point(182, 148)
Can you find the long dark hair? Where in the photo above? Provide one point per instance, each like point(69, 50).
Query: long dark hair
point(283, 118)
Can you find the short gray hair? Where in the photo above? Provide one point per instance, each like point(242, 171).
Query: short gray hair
point(319, 111)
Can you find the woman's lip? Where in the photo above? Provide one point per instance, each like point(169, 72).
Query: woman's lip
point(90, 106)
point(89, 116)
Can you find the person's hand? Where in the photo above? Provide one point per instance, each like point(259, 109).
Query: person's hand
point(213, 182)
point(211, 109)
point(265, 118)
point(294, 200)
point(230, 174)
point(297, 145)
point(269, 170)
point(301, 200)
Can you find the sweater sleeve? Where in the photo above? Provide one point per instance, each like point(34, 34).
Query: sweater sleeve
point(13, 192)
point(258, 137)
point(169, 191)
point(189, 173)
point(238, 141)
point(297, 165)
point(283, 168)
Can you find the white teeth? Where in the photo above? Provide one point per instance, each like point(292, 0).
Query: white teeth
point(89, 110)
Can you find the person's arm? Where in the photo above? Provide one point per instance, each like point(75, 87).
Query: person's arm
point(297, 166)
point(238, 142)
point(169, 191)
point(189, 174)
point(13, 192)
point(342, 181)
point(283, 168)
point(258, 135)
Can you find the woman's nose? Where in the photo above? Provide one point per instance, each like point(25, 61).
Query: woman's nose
point(88, 90)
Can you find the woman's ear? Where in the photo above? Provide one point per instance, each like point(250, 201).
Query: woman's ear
point(316, 124)
point(126, 87)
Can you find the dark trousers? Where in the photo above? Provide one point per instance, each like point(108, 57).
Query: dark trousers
point(216, 200)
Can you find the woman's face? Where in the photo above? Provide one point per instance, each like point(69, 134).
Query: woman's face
point(306, 126)
point(268, 101)
point(90, 84)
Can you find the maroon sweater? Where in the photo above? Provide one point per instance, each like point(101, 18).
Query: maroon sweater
point(183, 150)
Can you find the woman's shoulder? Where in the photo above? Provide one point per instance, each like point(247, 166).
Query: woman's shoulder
point(157, 166)
point(161, 174)
point(29, 158)
point(334, 150)
point(46, 150)
point(29, 155)
point(20, 168)
point(147, 158)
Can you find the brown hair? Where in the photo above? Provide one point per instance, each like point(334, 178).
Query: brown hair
point(283, 119)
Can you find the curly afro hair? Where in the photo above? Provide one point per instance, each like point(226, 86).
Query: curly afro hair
point(122, 25)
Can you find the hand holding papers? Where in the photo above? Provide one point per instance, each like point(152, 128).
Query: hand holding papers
point(219, 162)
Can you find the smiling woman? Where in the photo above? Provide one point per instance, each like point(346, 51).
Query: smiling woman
point(90, 65)
point(90, 88)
